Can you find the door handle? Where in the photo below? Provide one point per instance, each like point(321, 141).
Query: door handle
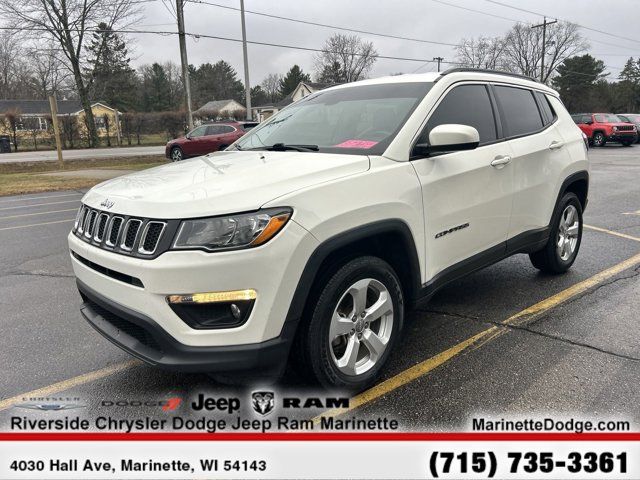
point(500, 161)
point(555, 145)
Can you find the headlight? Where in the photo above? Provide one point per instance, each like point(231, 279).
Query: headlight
point(615, 129)
point(232, 231)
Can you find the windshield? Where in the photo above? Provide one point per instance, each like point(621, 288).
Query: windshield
point(630, 118)
point(608, 118)
point(360, 120)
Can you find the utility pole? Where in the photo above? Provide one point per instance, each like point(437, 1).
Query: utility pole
point(438, 59)
point(184, 60)
point(544, 43)
point(53, 104)
point(247, 84)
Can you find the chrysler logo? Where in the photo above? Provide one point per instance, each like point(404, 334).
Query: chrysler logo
point(106, 203)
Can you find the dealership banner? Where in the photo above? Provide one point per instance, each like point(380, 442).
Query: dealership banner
point(308, 455)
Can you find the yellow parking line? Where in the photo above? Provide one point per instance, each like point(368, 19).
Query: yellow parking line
point(39, 213)
point(479, 339)
point(40, 204)
point(612, 232)
point(37, 224)
point(70, 383)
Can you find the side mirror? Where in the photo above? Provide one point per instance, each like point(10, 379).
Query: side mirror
point(589, 122)
point(188, 136)
point(449, 138)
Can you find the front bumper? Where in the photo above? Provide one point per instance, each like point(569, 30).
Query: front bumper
point(623, 137)
point(143, 338)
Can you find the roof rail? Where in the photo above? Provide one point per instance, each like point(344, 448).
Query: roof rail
point(486, 70)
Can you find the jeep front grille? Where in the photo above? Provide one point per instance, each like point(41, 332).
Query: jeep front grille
point(626, 128)
point(134, 236)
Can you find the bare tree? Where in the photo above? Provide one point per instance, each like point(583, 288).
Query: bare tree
point(353, 56)
point(48, 73)
point(271, 86)
point(481, 52)
point(68, 22)
point(11, 121)
point(10, 63)
point(523, 48)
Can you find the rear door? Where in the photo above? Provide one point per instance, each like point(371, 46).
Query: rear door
point(538, 156)
point(467, 201)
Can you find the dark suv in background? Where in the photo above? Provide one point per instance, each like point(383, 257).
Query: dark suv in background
point(601, 128)
point(206, 139)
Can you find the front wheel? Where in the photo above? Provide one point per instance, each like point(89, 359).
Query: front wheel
point(599, 139)
point(561, 250)
point(353, 326)
point(627, 143)
point(176, 154)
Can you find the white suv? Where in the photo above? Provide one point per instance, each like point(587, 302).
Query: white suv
point(310, 237)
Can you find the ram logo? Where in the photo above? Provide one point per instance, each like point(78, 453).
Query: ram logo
point(263, 402)
point(451, 230)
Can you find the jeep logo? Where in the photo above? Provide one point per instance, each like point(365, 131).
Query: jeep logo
point(106, 203)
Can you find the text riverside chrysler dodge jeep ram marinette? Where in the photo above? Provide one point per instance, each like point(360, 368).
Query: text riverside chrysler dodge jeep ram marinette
point(310, 237)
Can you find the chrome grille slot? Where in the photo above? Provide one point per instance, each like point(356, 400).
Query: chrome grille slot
point(90, 222)
point(83, 217)
point(625, 127)
point(101, 226)
point(151, 237)
point(114, 231)
point(78, 217)
point(130, 234)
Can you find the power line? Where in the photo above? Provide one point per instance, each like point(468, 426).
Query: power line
point(476, 11)
point(506, 5)
point(316, 24)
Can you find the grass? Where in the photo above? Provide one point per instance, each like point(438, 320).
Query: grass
point(19, 178)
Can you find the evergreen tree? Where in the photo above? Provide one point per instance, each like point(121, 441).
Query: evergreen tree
point(216, 82)
point(258, 96)
point(291, 80)
point(332, 73)
point(156, 89)
point(629, 86)
point(576, 81)
point(110, 77)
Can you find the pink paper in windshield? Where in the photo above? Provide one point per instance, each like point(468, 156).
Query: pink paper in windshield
point(354, 143)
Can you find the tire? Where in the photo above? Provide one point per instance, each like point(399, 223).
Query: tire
point(566, 227)
point(354, 357)
point(627, 143)
point(222, 147)
point(599, 139)
point(176, 154)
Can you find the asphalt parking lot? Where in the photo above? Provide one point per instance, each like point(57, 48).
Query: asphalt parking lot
point(504, 341)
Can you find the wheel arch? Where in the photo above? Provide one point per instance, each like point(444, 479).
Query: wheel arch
point(370, 239)
point(577, 183)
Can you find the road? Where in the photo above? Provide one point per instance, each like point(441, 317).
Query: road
point(44, 155)
point(576, 352)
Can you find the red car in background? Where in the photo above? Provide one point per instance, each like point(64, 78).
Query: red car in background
point(601, 128)
point(206, 139)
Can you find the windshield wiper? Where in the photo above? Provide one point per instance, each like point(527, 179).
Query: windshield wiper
point(283, 147)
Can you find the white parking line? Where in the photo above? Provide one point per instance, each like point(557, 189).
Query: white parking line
point(39, 204)
point(39, 213)
point(37, 224)
point(23, 199)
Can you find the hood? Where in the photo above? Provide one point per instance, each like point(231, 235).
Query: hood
point(220, 183)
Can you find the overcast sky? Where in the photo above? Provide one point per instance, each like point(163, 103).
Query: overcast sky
point(424, 19)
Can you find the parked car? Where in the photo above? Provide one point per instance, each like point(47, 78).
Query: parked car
point(631, 118)
point(309, 238)
point(206, 139)
point(601, 128)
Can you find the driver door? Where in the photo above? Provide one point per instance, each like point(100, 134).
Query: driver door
point(196, 144)
point(467, 195)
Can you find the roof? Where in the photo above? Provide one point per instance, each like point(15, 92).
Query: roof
point(215, 106)
point(41, 107)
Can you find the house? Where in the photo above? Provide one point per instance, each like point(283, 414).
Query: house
point(34, 116)
point(262, 112)
point(221, 109)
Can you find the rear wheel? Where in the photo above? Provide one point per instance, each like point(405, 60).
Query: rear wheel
point(222, 147)
point(176, 154)
point(561, 250)
point(353, 326)
point(599, 139)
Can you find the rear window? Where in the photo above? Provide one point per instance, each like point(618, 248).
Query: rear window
point(548, 114)
point(520, 111)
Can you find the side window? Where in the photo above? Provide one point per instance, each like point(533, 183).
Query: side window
point(465, 105)
point(213, 130)
point(585, 119)
point(548, 113)
point(198, 132)
point(521, 114)
point(226, 129)
point(577, 119)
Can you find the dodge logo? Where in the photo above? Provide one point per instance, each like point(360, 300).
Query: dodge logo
point(263, 402)
point(106, 203)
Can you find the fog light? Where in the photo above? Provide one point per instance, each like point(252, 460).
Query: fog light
point(235, 311)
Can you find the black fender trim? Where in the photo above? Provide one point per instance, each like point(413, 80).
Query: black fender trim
point(581, 175)
point(326, 248)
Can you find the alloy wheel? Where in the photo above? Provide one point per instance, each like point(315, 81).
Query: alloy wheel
point(361, 326)
point(568, 231)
